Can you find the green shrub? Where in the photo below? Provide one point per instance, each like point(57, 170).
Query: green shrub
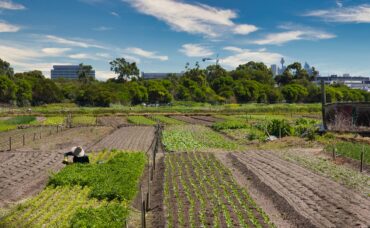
point(111, 215)
point(276, 127)
point(19, 120)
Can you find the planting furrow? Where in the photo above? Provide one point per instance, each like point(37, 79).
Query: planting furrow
point(323, 202)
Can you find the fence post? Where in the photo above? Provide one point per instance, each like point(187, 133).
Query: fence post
point(334, 153)
point(40, 134)
point(24, 140)
point(148, 195)
point(362, 159)
point(143, 222)
point(34, 136)
point(10, 143)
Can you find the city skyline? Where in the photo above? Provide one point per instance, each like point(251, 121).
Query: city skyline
point(162, 36)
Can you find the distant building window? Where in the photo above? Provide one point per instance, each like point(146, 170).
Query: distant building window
point(67, 72)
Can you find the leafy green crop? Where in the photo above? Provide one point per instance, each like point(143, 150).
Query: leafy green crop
point(140, 120)
point(195, 138)
point(84, 120)
point(115, 179)
point(351, 150)
point(229, 124)
point(166, 120)
point(111, 215)
point(19, 120)
point(54, 120)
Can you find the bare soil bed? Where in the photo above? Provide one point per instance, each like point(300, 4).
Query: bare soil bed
point(210, 119)
point(132, 138)
point(112, 121)
point(190, 120)
point(24, 172)
point(304, 198)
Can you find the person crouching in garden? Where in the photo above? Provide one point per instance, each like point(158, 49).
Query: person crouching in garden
point(78, 154)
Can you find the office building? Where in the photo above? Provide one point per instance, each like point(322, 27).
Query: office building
point(158, 75)
point(354, 82)
point(67, 72)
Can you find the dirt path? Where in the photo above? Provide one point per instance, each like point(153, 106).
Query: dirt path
point(112, 121)
point(24, 172)
point(305, 198)
point(127, 138)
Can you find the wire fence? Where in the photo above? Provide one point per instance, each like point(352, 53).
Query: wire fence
point(13, 141)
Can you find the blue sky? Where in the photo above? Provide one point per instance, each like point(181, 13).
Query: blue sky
point(162, 35)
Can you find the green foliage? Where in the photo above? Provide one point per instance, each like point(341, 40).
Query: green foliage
point(111, 215)
point(18, 120)
point(229, 124)
point(294, 93)
point(54, 120)
point(276, 127)
point(351, 150)
point(5, 69)
point(140, 120)
point(84, 120)
point(195, 138)
point(8, 90)
point(157, 93)
point(124, 69)
point(166, 120)
point(306, 128)
point(115, 179)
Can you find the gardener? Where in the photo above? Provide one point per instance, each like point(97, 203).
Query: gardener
point(78, 154)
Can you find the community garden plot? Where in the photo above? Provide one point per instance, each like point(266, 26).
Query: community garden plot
point(210, 119)
point(306, 198)
point(200, 192)
point(132, 138)
point(190, 120)
point(112, 121)
point(24, 172)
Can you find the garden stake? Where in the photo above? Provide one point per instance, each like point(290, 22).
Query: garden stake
point(24, 140)
point(334, 153)
point(362, 159)
point(10, 143)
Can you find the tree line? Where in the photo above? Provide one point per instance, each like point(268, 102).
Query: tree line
point(250, 82)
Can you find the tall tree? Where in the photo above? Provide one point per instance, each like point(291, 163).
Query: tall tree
point(84, 73)
point(5, 69)
point(124, 69)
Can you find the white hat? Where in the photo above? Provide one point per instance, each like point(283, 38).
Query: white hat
point(78, 151)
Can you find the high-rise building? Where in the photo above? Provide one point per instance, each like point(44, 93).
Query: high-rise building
point(275, 70)
point(67, 72)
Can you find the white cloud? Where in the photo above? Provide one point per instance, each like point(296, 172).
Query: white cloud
point(102, 28)
point(195, 50)
point(55, 51)
point(192, 18)
point(82, 56)
point(9, 5)
point(233, 49)
point(294, 33)
point(243, 56)
point(354, 14)
point(103, 55)
point(5, 27)
point(114, 14)
point(70, 42)
point(146, 54)
point(104, 75)
point(244, 29)
point(339, 3)
point(131, 58)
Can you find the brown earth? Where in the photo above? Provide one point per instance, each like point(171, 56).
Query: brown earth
point(210, 119)
point(24, 172)
point(112, 121)
point(132, 138)
point(302, 197)
point(190, 120)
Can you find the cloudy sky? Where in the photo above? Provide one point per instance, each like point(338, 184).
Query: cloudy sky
point(162, 35)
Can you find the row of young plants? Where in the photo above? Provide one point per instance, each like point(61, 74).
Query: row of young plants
point(83, 120)
point(141, 120)
point(84, 195)
point(261, 128)
point(189, 138)
point(166, 120)
point(200, 192)
point(14, 122)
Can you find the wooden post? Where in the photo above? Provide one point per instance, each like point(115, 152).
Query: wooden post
point(10, 143)
point(143, 222)
point(24, 140)
point(148, 196)
point(323, 103)
point(40, 134)
point(362, 159)
point(34, 136)
point(334, 153)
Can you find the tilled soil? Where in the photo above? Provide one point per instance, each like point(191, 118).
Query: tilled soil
point(127, 138)
point(209, 119)
point(112, 121)
point(305, 198)
point(24, 172)
point(190, 120)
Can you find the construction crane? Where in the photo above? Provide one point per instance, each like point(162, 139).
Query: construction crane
point(210, 59)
